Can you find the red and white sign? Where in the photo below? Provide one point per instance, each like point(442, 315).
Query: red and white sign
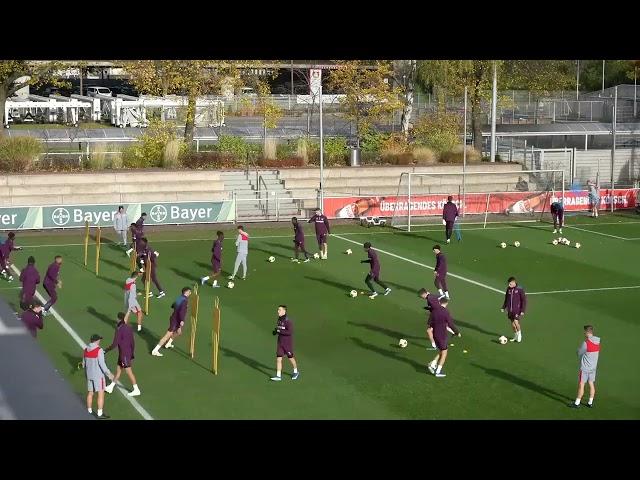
point(476, 203)
point(315, 81)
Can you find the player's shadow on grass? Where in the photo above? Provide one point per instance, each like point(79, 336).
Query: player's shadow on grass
point(534, 387)
point(207, 269)
point(402, 287)
point(342, 286)
point(471, 326)
point(250, 362)
point(422, 234)
point(389, 354)
point(270, 252)
point(284, 248)
point(183, 274)
point(385, 331)
point(74, 361)
point(118, 265)
point(111, 281)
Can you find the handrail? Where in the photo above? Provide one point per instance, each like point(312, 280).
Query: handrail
point(264, 209)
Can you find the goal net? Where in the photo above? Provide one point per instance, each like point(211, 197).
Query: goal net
point(481, 197)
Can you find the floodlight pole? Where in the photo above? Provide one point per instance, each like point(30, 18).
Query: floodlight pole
point(321, 155)
point(464, 156)
point(494, 98)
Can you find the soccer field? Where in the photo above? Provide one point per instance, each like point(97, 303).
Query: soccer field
point(347, 348)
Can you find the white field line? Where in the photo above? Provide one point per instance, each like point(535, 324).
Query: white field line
point(600, 233)
point(143, 413)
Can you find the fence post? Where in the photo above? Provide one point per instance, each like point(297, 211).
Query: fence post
point(277, 207)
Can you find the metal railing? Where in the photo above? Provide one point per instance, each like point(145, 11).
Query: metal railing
point(275, 207)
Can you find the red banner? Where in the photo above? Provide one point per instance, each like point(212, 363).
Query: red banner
point(476, 203)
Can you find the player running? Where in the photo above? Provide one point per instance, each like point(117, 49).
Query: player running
point(5, 253)
point(440, 320)
point(152, 255)
point(284, 330)
point(449, 217)
point(374, 272)
point(440, 272)
point(52, 282)
point(588, 355)
point(30, 278)
point(242, 244)
point(131, 298)
point(321, 223)
point(123, 339)
point(216, 261)
point(176, 322)
point(298, 241)
point(515, 303)
point(557, 212)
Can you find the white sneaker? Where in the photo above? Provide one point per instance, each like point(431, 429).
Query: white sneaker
point(160, 295)
point(166, 345)
point(203, 280)
point(432, 370)
point(244, 278)
point(555, 231)
point(156, 353)
point(295, 260)
point(134, 393)
point(307, 260)
point(513, 339)
point(150, 294)
point(441, 375)
point(560, 230)
point(387, 291)
point(373, 295)
point(519, 339)
point(446, 294)
point(128, 252)
point(10, 278)
point(448, 240)
point(139, 328)
point(232, 277)
point(45, 313)
point(109, 388)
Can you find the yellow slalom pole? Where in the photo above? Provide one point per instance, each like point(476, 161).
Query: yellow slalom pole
point(194, 320)
point(147, 285)
point(86, 243)
point(98, 252)
point(215, 333)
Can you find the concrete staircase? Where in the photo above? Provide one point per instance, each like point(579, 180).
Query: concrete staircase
point(261, 196)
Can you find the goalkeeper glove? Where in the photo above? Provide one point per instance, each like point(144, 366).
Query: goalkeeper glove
point(275, 331)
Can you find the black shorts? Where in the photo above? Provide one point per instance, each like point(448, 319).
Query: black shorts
point(124, 361)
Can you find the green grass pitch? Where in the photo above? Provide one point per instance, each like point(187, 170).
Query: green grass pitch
point(347, 348)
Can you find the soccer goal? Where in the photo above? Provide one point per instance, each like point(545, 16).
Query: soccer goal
point(481, 197)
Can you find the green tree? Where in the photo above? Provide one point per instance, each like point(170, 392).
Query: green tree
point(38, 72)
point(368, 92)
point(616, 72)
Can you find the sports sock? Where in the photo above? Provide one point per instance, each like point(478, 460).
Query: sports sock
point(169, 343)
point(99, 412)
point(590, 400)
point(295, 370)
point(577, 402)
point(439, 369)
point(90, 410)
point(279, 373)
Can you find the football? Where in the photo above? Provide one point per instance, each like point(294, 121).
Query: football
point(516, 244)
point(568, 242)
point(353, 293)
point(316, 255)
point(272, 259)
point(231, 285)
point(503, 340)
point(555, 242)
point(577, 245)
point(402, 343)
point(348, 252)
point(503, 245)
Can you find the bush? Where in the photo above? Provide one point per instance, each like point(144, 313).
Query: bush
point(149, 150)
point(282, 162)
point(210, 160)
point(439, 132)
point(236, 146)
point(456, 155)
point(171, 154)
point(394, 144)
point(19, 154)
point(98, 158)
point(335, 148)
point(373, 142)
point(116, 161)
point(424, 156)
point(398, 159)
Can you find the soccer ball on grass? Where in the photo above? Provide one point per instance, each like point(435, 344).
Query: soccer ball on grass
point(271, 259)
point(353, 293)
point(503, 245)
point(503, 340)
point(555, 242)
point(516, 244)
point(231, 285)
point(402, 343)
point(316, 255)
point(348, 252)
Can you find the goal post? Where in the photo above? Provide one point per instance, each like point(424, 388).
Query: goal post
point(482, 197)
